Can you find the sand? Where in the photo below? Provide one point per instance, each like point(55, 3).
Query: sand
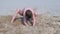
point(44, 25)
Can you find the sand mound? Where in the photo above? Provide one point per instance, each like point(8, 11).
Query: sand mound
point(44, 25)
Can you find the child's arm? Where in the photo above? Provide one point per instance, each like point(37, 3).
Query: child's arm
point(33, 19)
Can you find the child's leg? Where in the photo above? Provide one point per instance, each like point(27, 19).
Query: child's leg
point(14, 16)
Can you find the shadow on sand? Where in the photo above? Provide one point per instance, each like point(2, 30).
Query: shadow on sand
point(21, 19)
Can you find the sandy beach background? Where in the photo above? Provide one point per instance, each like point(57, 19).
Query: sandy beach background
point(44, 25)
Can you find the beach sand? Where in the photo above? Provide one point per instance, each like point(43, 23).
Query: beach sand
point(44, 25)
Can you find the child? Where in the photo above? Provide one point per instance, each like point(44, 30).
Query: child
point(27, 13)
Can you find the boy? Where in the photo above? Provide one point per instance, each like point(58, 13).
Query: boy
point(27, 13)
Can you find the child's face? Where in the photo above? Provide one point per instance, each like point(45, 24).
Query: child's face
point(28, 14)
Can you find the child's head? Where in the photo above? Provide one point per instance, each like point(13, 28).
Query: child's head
point(28, 13)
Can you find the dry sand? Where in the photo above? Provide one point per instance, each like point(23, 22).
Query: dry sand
point(44, 25)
